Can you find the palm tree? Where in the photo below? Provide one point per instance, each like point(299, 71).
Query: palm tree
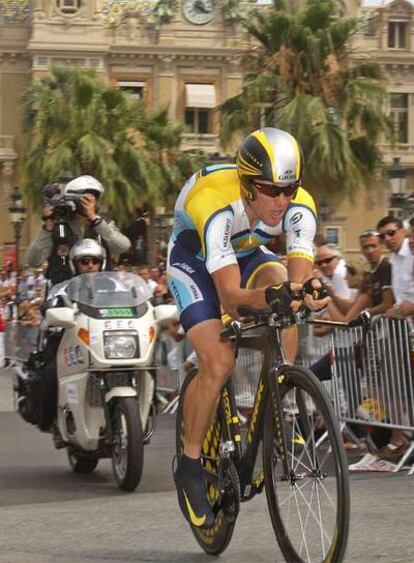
point(77, 123)
point(303, 75)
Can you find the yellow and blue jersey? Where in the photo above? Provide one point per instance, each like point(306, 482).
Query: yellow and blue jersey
point(211, 223)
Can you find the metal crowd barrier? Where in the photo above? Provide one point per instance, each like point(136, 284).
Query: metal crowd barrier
point(372, 377)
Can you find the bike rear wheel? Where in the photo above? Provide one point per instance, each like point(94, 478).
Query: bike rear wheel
point(225, 507)
point(310, 505)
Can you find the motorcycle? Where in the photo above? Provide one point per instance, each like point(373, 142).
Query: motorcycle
point(105, 377)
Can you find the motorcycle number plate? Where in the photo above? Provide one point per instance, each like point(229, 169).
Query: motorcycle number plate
point(117, 313)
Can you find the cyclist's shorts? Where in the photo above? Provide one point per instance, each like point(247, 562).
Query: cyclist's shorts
point(192, 286)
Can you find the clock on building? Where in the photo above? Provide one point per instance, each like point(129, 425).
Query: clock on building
point(199, 12)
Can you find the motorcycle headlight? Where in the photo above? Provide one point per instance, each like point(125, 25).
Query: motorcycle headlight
point(121, 344)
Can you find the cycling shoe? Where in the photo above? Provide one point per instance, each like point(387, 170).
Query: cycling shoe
point(192, 492)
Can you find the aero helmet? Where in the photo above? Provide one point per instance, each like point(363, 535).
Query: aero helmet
point(270, 155)
point(86, 248)
point(84, 184)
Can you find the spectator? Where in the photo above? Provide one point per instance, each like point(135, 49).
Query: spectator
point(375, 292)
point(333, 269)
point(144, 272)
point(376, 295)
point(176, 350)
point(393, 233)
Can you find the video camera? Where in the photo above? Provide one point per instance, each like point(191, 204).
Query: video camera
point(64, 206)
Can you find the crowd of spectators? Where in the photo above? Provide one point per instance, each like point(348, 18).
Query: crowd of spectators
point(21, 295)
point(385, 286)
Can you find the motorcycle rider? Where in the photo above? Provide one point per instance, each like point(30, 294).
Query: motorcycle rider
point(58, 235)
point(86, 256)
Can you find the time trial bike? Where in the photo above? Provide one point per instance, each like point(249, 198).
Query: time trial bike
point(304, 466)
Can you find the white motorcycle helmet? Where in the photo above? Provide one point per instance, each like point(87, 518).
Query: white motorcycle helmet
point(84, 184)
point(85, 249)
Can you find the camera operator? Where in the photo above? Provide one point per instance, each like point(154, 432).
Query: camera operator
point(69, 215)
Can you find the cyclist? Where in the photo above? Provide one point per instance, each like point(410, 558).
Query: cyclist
point(217, 262)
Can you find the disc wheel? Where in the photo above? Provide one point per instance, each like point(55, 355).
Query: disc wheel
point(309, 503)
point(127, 447)
point(223, 493)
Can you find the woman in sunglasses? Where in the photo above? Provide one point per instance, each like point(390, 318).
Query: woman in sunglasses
point(218, 262)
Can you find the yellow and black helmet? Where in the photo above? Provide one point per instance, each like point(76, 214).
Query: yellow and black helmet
point(269, 155)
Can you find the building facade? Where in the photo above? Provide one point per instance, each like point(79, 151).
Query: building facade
point(387, 38)
point(188, 59)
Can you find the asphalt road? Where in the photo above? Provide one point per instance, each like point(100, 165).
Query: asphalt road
point(50, 515)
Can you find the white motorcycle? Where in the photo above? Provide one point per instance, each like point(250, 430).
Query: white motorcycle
point(105, 384)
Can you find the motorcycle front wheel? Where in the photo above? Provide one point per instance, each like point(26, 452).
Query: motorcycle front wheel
point(127, 445)
point(81, 463)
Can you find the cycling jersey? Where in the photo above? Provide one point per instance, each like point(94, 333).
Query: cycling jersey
point(210, 220)
point(211, 231)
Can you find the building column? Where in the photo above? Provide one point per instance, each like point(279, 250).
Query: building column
point(166, 87)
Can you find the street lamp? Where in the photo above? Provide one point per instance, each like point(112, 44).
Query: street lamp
point(17, 216)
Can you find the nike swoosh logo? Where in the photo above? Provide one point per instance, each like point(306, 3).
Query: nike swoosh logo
point(195, 520)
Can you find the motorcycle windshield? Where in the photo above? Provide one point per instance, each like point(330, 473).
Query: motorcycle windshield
point(107, 289)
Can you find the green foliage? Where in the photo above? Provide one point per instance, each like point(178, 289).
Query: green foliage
point(77, 123)
point(303, 71)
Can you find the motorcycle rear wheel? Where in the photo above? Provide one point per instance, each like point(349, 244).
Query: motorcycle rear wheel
point(128, 444)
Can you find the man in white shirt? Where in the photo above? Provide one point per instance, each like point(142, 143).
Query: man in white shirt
point(394, 235)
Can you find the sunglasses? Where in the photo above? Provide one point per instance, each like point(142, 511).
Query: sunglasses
point(91, 260)
point(389, 233)
point(275, 190)
point(325, 260)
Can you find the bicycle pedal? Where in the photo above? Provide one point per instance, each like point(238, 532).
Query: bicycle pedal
point(254, 488)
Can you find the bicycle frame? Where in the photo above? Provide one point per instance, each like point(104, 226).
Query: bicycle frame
point(267, 389)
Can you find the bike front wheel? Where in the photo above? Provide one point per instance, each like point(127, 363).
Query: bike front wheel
point(306, 473)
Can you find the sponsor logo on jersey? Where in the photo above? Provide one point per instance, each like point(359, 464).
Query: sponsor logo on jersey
point(177, 295)
point(184, 266)
point(195, 292)
point(296, 218)
point(226, 235)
